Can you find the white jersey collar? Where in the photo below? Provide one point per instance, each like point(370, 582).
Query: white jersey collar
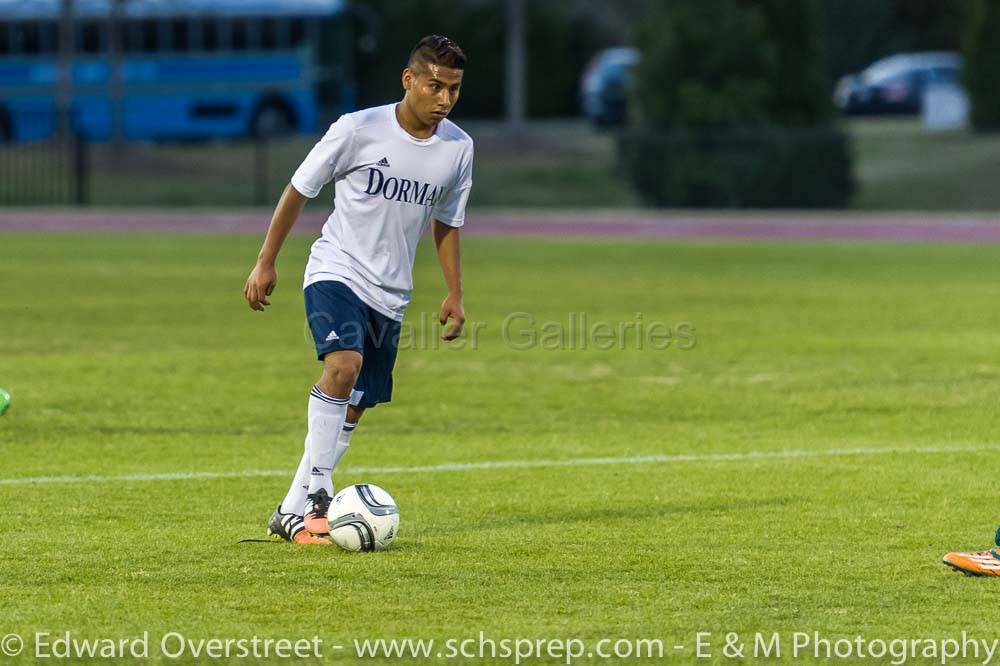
point(432, 139)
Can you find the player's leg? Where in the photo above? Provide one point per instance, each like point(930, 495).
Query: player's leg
point(328, 414)
point(337, 320)
point(287, 522)
point(354, 413)
point(980, 563)
point(374, 383)
point(303, 506)
point(295, 498)
point(328, 403)
point(350, 424)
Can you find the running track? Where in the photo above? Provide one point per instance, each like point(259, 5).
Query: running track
point(896, 227)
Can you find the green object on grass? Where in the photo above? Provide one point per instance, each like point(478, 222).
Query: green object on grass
point(4, 401)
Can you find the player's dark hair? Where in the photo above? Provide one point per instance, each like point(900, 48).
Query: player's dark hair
point(437, 50)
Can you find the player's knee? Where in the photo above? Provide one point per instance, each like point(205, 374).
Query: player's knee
point(340, 372)
point(350, 367)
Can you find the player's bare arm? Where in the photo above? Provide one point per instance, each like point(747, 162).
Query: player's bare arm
point(263, 278)
point(446, 239)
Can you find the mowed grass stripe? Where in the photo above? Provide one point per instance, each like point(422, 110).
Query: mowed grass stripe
point(523, 464)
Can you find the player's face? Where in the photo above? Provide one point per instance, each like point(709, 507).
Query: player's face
point(432, 91)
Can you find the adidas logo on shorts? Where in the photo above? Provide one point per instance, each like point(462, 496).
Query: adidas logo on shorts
point(333, 336)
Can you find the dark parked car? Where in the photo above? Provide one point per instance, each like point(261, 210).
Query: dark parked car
point(895, 85)
point(604, 84)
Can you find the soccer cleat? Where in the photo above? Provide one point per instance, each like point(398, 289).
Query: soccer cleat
point(291, 528)
point(317, 506)
point(982, 563)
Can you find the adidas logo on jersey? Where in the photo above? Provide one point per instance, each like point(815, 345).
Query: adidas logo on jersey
point(384, 162)
point(333, 336)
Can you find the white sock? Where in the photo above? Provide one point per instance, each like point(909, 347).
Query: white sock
point(343, 442)
point(295, 499)
point(326, 420)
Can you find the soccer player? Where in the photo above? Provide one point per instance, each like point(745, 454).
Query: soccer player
point(395, 169)
point(981, 563)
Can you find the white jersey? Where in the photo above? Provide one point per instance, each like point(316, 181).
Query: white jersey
point(388, 186)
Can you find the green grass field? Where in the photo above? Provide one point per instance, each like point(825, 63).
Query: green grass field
point(877, 366)
point(898, 164)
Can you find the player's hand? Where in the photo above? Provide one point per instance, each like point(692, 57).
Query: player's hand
point(453, 309)
point(260, 284)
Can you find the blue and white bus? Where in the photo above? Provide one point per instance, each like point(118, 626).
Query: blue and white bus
point(189, 69)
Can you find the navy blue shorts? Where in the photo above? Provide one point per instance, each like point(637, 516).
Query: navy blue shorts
point(339, 320)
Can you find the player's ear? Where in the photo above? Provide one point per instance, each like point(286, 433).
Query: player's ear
point(407, 79)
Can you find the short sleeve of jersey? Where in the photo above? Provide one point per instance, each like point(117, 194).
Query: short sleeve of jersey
point(329, 159)
point(450, 208)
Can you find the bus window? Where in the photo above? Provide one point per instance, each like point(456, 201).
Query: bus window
point(148, 36)
point(90, 37)
point(180, 36)
point(196, 35)
point(130, 36)
point(210, 35)
point(13, 38)
point(49, 37)
point(297, 33)
point(25, 38)
point(282, 34)
point(240, 36)
point(164, 36)
point(253, 34)
point(225, 34)
point(140, 36)
point(269, 34)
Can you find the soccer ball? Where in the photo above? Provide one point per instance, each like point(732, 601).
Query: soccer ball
point(363, 517)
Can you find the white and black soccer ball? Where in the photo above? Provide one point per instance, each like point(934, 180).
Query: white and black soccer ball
point(363, 517)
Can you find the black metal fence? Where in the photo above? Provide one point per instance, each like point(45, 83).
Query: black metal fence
point(73, 171)
point(46, 172)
